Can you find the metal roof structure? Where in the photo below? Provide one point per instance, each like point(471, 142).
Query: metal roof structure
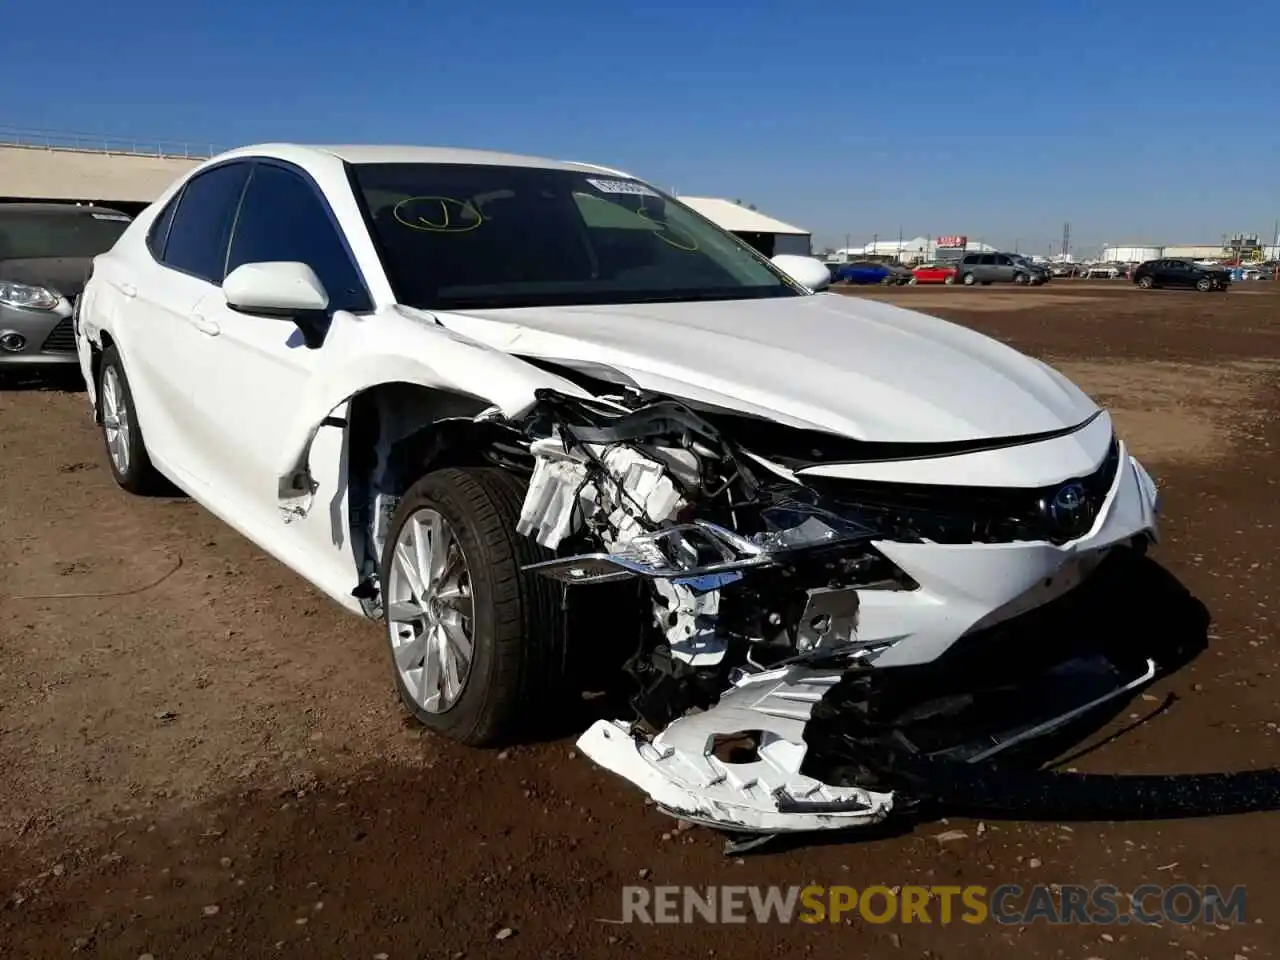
point(739, 219)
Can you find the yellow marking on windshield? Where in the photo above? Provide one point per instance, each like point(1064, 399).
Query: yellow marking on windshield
point(665, 232)
point(438, 214)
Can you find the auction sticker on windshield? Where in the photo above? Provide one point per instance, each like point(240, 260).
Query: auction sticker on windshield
point(622, 186)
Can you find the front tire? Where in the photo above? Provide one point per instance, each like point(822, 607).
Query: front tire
point(1146, 283)
point(126, 450)
point(1204, 284)
point(477, 645)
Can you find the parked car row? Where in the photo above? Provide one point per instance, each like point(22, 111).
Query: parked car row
point(972, 269)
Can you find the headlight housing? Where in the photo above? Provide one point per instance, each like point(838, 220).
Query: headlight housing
point(13, 294)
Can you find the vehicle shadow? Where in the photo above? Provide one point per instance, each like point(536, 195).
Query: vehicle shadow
point(1146, 612)
point(64, 378)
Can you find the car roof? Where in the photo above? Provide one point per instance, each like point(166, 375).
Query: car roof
point(57, 209)
point(371, 153)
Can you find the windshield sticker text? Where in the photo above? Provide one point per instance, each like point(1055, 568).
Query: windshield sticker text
point(622, 186)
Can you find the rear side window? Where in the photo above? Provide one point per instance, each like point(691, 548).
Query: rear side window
point(159, 231)
point(283, 217)
point(201, 226)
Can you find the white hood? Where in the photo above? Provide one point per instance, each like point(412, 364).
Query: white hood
point(850, 366)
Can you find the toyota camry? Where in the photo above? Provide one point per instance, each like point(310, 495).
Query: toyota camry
point(465, 393)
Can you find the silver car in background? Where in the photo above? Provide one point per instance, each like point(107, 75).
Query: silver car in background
point(985, 268)
point(46, 250)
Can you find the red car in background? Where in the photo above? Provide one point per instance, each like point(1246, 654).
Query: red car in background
point(933, 273)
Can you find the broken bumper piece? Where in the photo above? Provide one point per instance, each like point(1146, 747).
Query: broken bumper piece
point(759, 791)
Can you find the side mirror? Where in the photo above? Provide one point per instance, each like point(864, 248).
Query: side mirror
point(275, 289)
point(809, 271)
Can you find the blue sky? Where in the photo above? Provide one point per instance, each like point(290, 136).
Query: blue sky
point(1136, 122)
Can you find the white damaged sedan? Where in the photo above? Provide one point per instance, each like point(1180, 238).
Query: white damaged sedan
point(472, 394)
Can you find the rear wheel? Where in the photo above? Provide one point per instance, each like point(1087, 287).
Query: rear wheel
point(126, 451)
point(476, 643)
point(969, 280)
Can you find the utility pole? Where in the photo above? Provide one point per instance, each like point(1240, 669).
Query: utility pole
point(1066, 240)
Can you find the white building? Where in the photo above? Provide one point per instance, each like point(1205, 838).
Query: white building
point(771, 237)
point(1131, 253)
point(1194, 251)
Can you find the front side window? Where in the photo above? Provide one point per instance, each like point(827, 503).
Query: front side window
point(458, 236)
point(37, 235)
point(201, 225)
point(283, 218)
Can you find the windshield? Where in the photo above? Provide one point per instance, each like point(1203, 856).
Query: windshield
point(458, 236)
point(29, 235)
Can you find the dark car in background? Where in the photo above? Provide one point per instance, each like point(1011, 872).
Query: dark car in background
point(46, 250)
point(1170, 272)
point(869, 271)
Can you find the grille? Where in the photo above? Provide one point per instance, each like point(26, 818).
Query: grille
point(949, 514)
point(61, 339)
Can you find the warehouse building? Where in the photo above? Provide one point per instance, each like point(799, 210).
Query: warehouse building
point(771, 237)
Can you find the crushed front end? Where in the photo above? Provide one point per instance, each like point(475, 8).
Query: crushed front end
point(801, 627)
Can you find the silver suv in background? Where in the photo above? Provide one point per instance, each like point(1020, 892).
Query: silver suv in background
point(988, 268)
point(46, 250)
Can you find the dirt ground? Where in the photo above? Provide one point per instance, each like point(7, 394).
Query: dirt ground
point(203, 757)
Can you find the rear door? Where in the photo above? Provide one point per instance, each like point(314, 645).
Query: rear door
point(160, 339)
point(1178, 274)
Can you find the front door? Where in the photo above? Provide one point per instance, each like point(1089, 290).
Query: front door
point(255, 370)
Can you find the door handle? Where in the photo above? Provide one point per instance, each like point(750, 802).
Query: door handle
point(205, 325)
point(128, 289)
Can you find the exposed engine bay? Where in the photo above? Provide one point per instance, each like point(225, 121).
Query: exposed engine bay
point(759, 705)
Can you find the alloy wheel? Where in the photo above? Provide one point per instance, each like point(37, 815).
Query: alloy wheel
point(429, 611)
point(115, 420)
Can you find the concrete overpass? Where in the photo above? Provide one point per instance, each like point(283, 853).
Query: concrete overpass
point(126, 178)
